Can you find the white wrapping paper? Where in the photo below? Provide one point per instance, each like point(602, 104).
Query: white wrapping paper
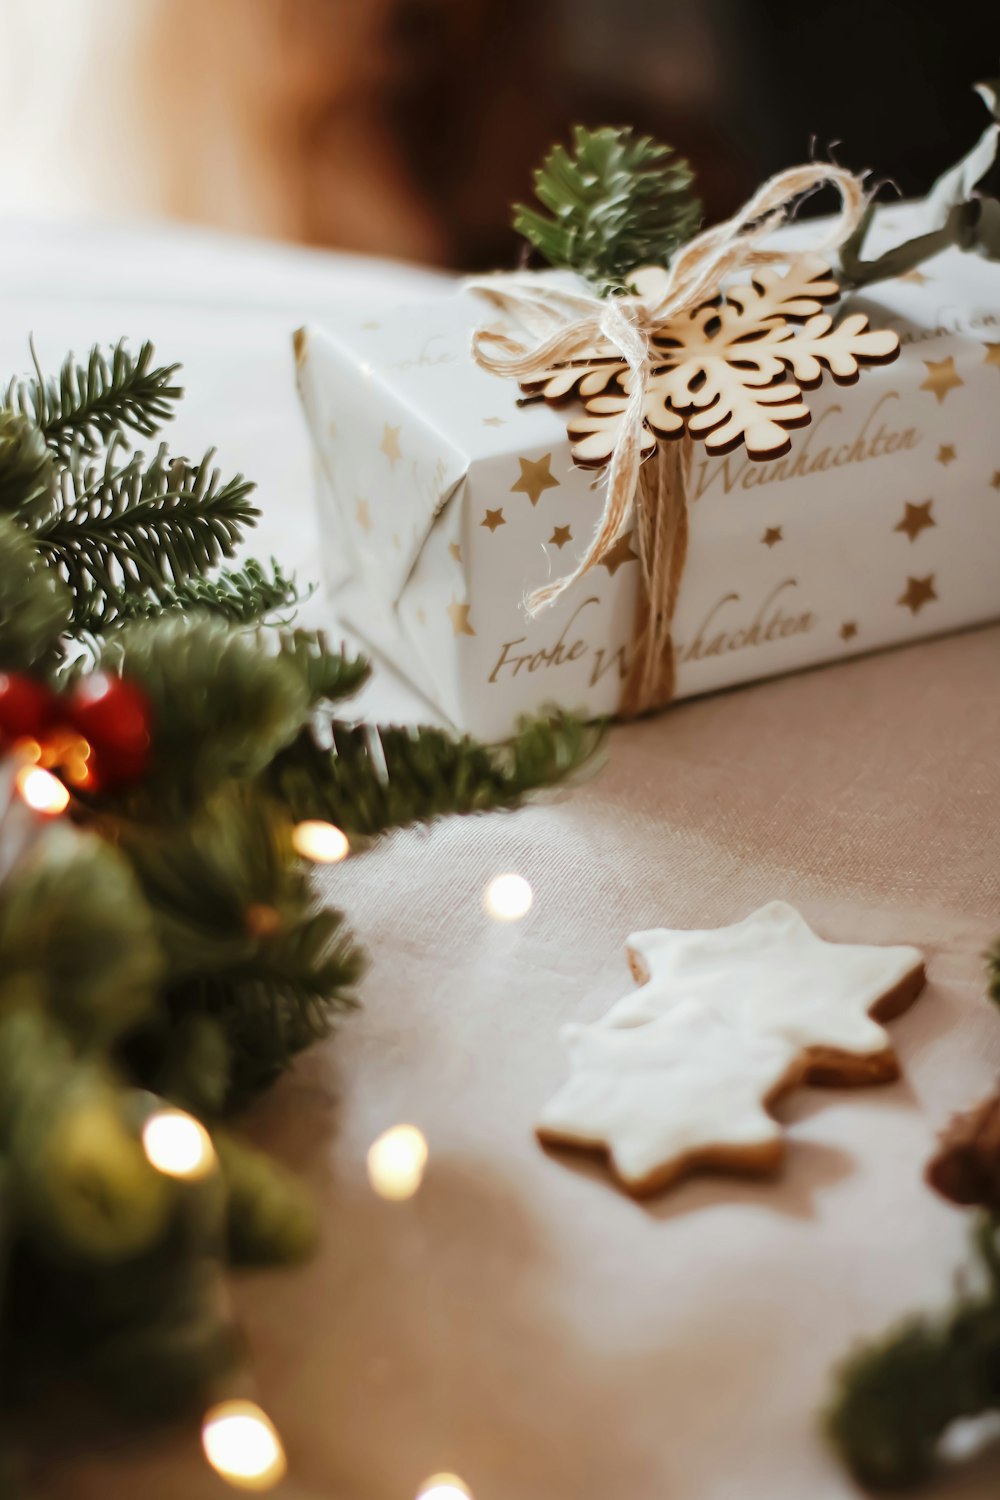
point(444, 503)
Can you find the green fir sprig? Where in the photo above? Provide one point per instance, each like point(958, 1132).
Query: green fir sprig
point(166, 946)
point(615, 202)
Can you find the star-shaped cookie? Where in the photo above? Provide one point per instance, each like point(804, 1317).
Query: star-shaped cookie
point(672, 1096)
point(679, 1075)
point(771, 973)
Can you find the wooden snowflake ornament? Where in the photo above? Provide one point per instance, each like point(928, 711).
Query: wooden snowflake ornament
point(731, 371)
point(679, 1075)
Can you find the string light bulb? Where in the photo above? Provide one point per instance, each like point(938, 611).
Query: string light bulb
point(508, 898)
point(396, 1163)
point(242, 1445)
point(444, 1487)
point(178, 1145)
point(43, 792)
point(323, 843)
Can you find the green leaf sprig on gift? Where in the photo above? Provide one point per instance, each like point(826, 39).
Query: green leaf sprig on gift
point(164, 951)
point(617, 201)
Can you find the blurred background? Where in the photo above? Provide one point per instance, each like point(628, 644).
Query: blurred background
point(407, 127)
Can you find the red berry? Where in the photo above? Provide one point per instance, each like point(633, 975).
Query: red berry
point(113, 715)
point(27, 708)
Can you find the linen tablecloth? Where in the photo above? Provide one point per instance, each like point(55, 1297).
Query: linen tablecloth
point(521, 1322)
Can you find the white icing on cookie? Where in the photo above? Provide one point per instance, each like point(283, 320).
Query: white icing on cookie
point(679, 1074)
point(770, 973)
point(670, 1094)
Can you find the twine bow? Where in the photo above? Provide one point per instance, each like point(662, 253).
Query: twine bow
point(577, 327)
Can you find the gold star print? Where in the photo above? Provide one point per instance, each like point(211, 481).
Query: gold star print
point(362, 516)
point(369, 327)
point(422, 615)
point(455, 551)
point(560, 536)
point(395, 540)
point(946, 454)
point(390, 443)
point(493, 519)
point(992, 354)
point(458, 614)
point(772, 535)
point(620, 553)
point(916, 518)
point(331, 428)
point(916, 277)
point(919, 591)
point(536, 476)
point(941, 377)
point(848, 630)
point(493, 422)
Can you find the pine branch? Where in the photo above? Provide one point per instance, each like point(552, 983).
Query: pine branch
point(27, 468)
point(328, 675)
point(35, 605)
point(373, 779)
point(618, 202)
point(221, 708)
point(87, 404)
point(239, 596)
point(125, 526)
point(897, 1397)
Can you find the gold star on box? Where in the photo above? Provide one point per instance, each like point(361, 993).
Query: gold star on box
point(422, 615)
point(946, 454)
point(916, 518)
point(941, 377)
point(455, 551)
point(772, 535)
point(536, 476)
point(390, 444)
point(620, 553)
point(992, 354)
point(848, 630)
point(493, 519)
point(458, 614)
point(493, 422)
point(560, 536)
point(918, 592)
point(363, 516)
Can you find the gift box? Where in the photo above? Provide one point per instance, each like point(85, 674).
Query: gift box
point(446, 500)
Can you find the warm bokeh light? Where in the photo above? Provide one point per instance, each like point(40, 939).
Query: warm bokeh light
point(178, 1145)
point(241, 1444)
point(322, 842)
point(444, 1487)
point(508, 898)
point(396, 1162)
point(42, 791)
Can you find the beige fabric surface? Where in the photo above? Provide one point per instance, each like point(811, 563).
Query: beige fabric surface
point(521, 1322)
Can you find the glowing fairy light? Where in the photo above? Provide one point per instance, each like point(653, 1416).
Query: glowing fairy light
point(242, 1445)
point(444, 1487)
point(178, 1145)
point(508, 898)
point(396, 1163)
point(322, 842)
point(42, 791)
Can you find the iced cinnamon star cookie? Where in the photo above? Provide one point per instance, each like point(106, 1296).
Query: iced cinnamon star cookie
point(771, 974)
point(679, 1093)
point(679, 1075)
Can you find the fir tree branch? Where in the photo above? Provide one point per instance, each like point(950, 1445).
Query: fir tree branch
point(35, 605)
point(121, 527)
point(373, 779)
point(898, 1396)
point(328, 675)
point(617, 202)
point(27, 468)
point(87, 404)
point(239, 596)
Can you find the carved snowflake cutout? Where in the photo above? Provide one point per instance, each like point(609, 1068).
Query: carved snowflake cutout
point(729, 372)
